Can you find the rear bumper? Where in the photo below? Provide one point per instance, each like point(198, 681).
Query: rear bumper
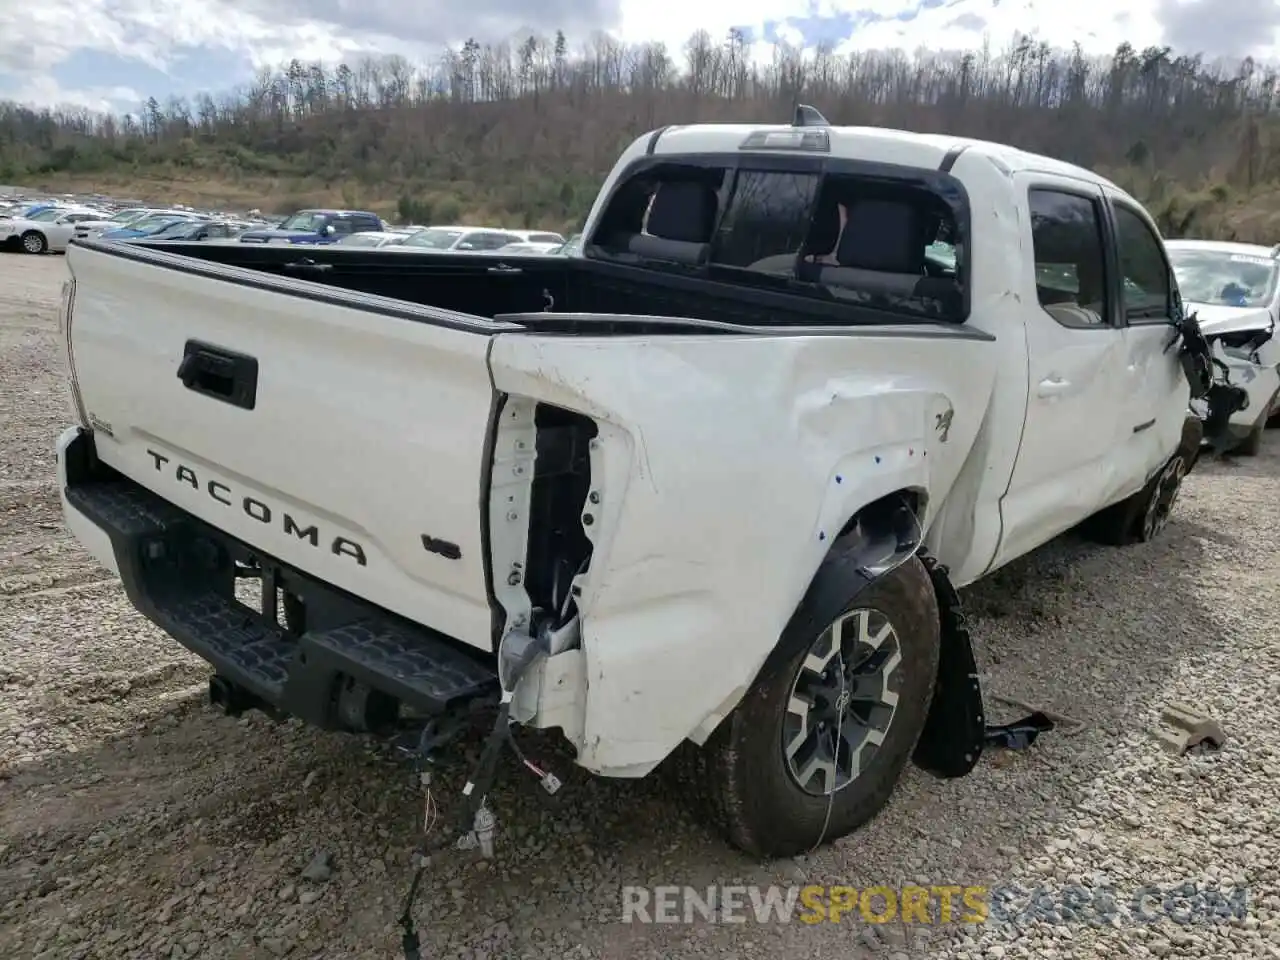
point(180, 573)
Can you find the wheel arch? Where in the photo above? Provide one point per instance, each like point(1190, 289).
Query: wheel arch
point(877, 540)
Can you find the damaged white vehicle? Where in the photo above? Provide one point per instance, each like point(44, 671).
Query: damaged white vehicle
point(706, 489)
point(1234, 291)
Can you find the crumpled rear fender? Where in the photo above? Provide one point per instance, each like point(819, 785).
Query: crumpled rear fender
point(726, 465)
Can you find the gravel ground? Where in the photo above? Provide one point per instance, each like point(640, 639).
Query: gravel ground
point(136, 822)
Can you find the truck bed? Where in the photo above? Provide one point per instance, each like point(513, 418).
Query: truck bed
point(509, 286)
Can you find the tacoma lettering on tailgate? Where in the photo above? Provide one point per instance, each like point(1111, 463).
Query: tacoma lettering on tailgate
point(255, 508)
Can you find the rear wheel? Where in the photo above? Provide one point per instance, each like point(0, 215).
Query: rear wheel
point(817, 745)
point(33, 241)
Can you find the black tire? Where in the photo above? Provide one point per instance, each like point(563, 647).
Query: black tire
point(741, 778)
point(33, 241)
point(1142, 517)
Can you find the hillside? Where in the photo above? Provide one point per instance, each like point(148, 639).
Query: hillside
point(522, 134)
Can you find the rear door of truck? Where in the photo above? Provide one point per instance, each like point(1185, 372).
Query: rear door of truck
point(342, 434)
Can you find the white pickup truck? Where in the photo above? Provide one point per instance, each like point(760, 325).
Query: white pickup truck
point(705, 489)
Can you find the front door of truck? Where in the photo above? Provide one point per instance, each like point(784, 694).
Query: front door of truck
point(1075, 366)
point(1154, 405)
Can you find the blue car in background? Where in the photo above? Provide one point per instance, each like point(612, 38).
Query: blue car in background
point(317, 226)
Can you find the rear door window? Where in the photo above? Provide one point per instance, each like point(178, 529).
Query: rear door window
point(1070, 259)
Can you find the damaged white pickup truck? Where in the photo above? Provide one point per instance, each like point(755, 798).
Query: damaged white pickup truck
point(707, 488)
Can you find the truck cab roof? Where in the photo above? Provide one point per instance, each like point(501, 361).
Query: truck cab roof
point(875, 144)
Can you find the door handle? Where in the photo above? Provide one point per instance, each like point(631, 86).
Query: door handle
point(1053, 386)
point(219, 374)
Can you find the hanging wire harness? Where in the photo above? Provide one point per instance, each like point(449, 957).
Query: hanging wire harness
point(476, 825)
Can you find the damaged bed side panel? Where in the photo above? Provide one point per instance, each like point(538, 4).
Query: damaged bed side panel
point(723, 466)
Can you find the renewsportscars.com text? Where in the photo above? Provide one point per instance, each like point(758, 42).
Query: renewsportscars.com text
point(1185, 903)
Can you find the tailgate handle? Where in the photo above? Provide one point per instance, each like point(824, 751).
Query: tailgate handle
point(220, 374)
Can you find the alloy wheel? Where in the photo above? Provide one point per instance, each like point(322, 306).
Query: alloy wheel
point(1160, 507)
point(842, 702)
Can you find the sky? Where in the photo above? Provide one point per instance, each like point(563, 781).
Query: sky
point(113, 54)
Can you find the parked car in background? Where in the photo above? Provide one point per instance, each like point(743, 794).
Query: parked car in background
point(147, 226)
point(373, 238)
point(1234, 288)
point(29, 208)
point(317, 226)
point(1234, 291)
point(213, 229)
point(539, 236)
point(530, 248)
point(47, 230)
point(460, 238)
point(118, 220)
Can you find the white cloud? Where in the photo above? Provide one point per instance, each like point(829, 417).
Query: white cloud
point(45, 91)
point(39, 36)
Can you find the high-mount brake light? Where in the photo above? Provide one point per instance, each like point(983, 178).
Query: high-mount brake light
point(811, 139)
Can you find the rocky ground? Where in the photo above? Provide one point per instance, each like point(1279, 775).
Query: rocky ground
point(136, 822)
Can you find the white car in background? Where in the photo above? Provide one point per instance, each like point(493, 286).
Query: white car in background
point(540, 237)
point(373, 238)
point(45, 231)
point(1234, 291)
point(530, 247)
point(459, 239)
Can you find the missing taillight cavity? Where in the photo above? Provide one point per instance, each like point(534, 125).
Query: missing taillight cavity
point(559, 549)
point(65, 315)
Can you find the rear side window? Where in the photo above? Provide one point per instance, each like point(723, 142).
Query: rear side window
point(1066, 234)
point(886, 243)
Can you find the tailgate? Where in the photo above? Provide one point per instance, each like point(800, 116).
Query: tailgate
point(343, 435)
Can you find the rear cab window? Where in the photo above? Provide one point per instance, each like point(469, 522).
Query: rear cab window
point(884, 239)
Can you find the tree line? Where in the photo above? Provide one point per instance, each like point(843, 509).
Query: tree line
point(528, 129)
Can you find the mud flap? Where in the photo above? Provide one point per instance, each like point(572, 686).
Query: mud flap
point(955, 730)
